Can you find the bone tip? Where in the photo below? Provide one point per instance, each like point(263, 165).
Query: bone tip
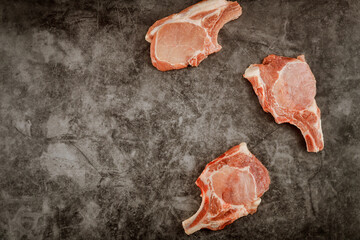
point(243, 146)
point(147, 37)
point(301, 58)
point(185, 225)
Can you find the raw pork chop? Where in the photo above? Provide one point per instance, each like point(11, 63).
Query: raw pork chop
point(286, 88)
point(231, 187)
point(189, 36)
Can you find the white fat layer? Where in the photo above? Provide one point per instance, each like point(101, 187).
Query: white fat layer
point(313, 107)
point(254, 71)
point(205, 6)
point(244, 149)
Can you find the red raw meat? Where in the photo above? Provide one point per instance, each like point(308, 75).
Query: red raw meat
point(188, 37)
point(231, 187)
point(286, 88)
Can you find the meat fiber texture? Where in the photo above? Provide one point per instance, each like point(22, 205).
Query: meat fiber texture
point(286, 88)
point(231, 187)
point(188, 37)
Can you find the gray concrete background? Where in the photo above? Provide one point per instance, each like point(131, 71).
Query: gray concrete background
point(95, 143)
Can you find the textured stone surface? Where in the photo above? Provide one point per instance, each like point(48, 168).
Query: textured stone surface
point(95, 143)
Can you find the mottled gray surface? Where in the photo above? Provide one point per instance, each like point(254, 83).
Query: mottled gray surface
point(98, 144)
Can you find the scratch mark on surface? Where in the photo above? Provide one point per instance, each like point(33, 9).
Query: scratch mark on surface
point(311, 178)
point(131, 17)
point(20, 132)
point(118, 15)
point(188, 102)
point(285, 31)
point(86, 158)
point(97, 14)
point(266, 135)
